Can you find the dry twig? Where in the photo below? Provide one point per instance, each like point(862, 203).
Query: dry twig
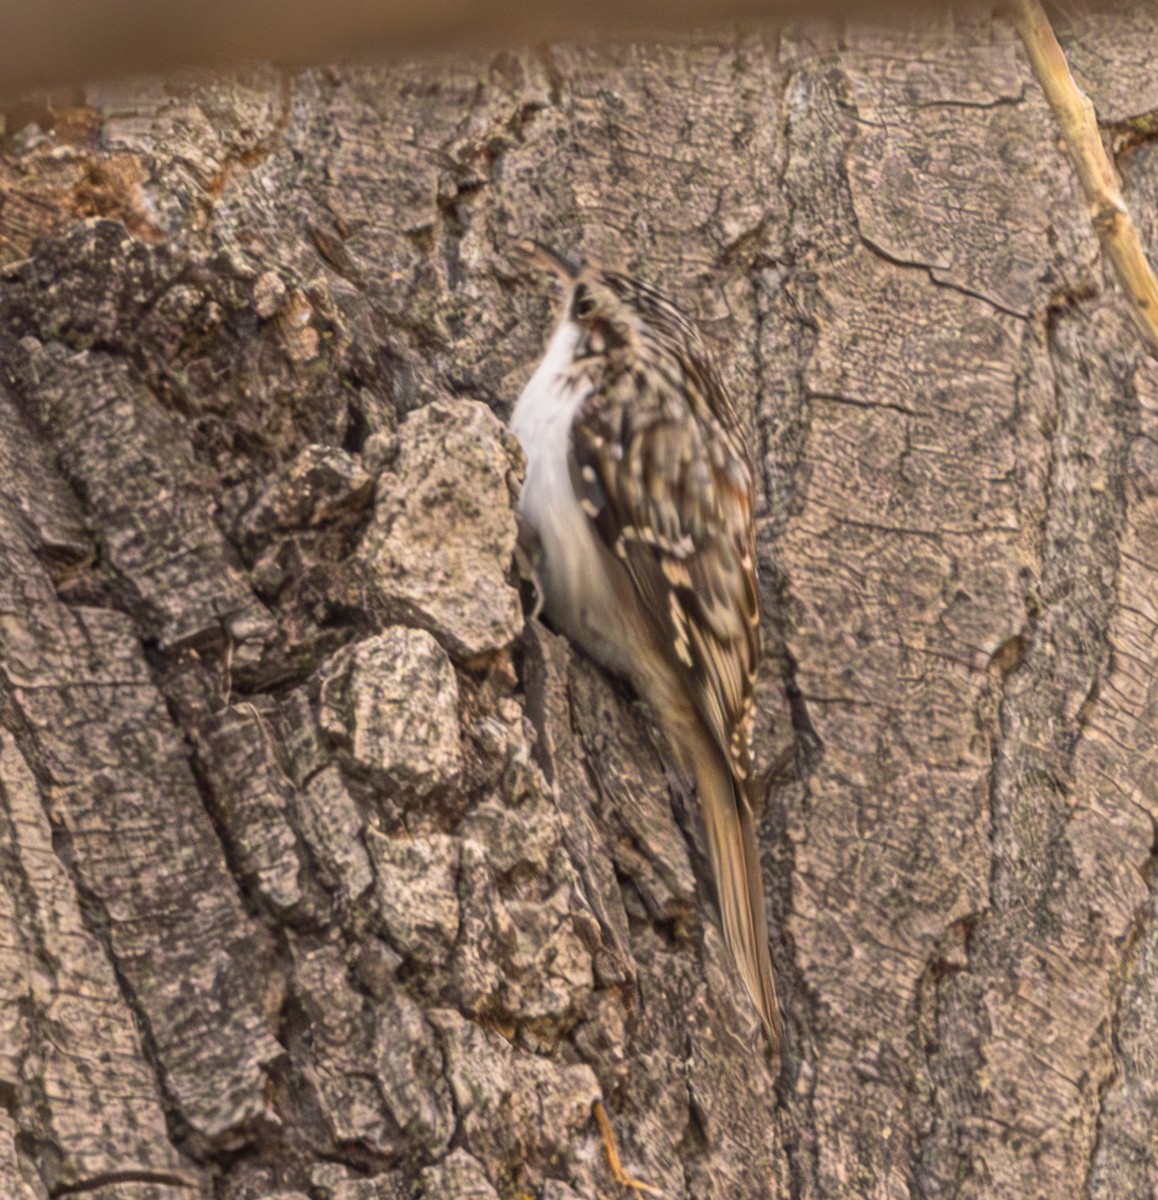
point(611, 1149)
point(1079, 124)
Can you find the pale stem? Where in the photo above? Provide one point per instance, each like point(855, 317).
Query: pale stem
point(1079, 125)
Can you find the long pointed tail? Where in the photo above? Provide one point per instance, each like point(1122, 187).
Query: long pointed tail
point(735, 856)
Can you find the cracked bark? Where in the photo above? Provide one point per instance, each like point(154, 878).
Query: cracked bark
point(321, 876)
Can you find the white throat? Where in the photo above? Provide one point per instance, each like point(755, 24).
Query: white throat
point(576, 592)
point(542, 422)
point(544, 412)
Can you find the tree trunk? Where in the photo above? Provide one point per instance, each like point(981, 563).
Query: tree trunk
point(322, 874)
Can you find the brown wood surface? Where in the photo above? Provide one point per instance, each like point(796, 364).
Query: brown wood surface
point(323, 878)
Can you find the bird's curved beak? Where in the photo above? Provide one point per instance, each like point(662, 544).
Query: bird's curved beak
point(535, 254)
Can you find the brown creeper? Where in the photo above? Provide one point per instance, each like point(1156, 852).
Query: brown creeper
point(640, 492)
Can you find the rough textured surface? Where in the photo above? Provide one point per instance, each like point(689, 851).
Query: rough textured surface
point(323, 878)
point(392, 702)
point(439, 551)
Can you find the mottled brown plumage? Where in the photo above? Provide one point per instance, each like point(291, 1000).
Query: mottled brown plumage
point(641, 492)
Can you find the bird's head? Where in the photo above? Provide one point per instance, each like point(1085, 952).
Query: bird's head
point(602, 304)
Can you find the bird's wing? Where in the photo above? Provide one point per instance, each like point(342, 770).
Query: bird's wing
point(671, 498)
point(668, 490)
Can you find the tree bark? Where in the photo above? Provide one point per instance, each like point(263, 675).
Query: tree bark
point(325, 875)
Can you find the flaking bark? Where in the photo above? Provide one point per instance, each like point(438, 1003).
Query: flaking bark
point(321, 876)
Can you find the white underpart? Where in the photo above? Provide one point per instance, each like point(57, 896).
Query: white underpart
point(578, 596)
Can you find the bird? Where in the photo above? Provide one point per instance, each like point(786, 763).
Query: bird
point(639, 497)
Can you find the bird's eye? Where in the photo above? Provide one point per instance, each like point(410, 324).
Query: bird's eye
point(583, 304)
